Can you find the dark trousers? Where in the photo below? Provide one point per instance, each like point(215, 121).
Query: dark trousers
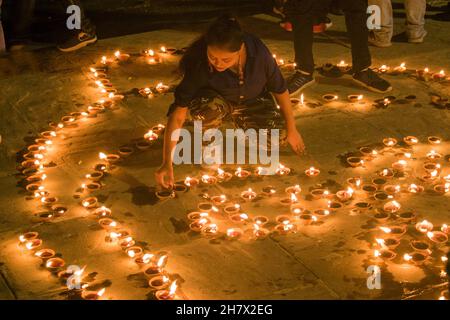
point(301, 13)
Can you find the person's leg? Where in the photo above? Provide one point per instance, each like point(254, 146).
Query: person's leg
point(2, 35)
point(78, 38)
point(20, 21)
point(382, 37)
point(301, 14)
point(356, 22)
point(415, 20)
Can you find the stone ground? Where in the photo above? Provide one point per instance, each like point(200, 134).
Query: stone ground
point(325, 261)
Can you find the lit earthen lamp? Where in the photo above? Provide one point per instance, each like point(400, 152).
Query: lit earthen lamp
point(319, 193)
point(411, 140)
point(355, 98)
point(385, 254)
point(90, 202)
point(282, 170)
point(234, 233)
point(210, 229)
point(191, 182)
point(420, 246)
point(33, 244)
point(55, 264)
point(392, 206)
point(107, 223)
point(414, 188)
point(442, 188)
point(439, 76)
point(369, 189)
point(289, 200)
point(379, 182)
point(312, 172)
point(343, 66)
point(92, 295)
point(125, 151)
point(240, 217)
point(286, 227)
point(368, 153)
point(433, 155)
point(424, 74)
point(260, 171)
point(386, 173)
point(392, 189)
point(144, 259)
point(198, 225)
point(407, 216)
point(390, 142)
point(232, 209)
point(355, 161)
point(219, 200)
point(206, 207)
point(122, 57)
point(321, 213)
point(248, 195)
point(307, 219)
point(45, 254)
point(159, 282)
point(127, 243)
point(390, 243)
point(134, 252)
point(382, 216)
point(268, 191)
point(197, 215)
point(223, 176)
point(330, 97)
point(424, 226)
point(260, 233)
point(209, 180)
point(102, 212)
point(345, 195)
point(242, 174)
point(28, 236)
point(165, 194)
point(395, 231)
point(167, 294)
point(180, 187)
point(417, 258)
point(437, 237)
point(434, 140)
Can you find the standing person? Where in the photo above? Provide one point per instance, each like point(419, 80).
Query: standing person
point(78, 39)
point(229, 74)
point(415, 22)
point(301, 13)
point(2, 35)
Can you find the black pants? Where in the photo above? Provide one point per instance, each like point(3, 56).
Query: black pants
point(301, 13)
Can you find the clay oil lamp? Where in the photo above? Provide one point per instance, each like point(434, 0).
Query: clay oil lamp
point(424, 226)
point(362, 205)
point(403, 154)
point(197, 215)
point(219, 200)
point(445, 228)
point(127, 242)
point(343, 66)
point(321, 213)
point(286, 227)
point(312, 172)
point(355, 98)
point(306, 219)
point(45, 254)
point(369, 189)
point(390, 142)
point(384, 69)
point(392, 189)
point(382, 216)
point(45, 216)
point(385, 254)
point(91, 187)
point(386, 173)
point(191, 182)
point(407, 216)
point(165, 194)
point(424, 74)
point(416, 258)
point(297, 209)
point(282, 170)
point(296, 189)
point(234, 233)
point(198, 225)
point(381, 196)
point(401, 68)
point(289, 200)
point(439, 76)
point(330, 97)
point(394, 231)
point(260, 171)
point(180, 187)
point(240, 217)
point(414, 188)
point(345, 195)
point(89, 203)
point(122, 57)
point(146, 92)
point(223, 176)
point(431, 166)
point(433, 155)
point(232, 209)
point(167, 294)
point(248, 195)
point(134, 252)
point(392, 206)
point(107, 223)
point(334, 205)
point(92, 295)
point(442, 188)
point(319, 193)
point(434, 140)
point(411, 140)
point(33, 188)
point(400, 165)
point(151, 136)
point(162, 88)
point(112, 158)
point(159, 282)
point(210, 230)
point(33, 244)
point(390, 243)
point(260, 233)
point(48, 201)
point(355, 182)
point(420, 246)
point(368, 153)
point(261, 220)
point(379, 182)
point(125, 151)
point(242, 174)
point(55, 264)
point(438, 237)
point(209, 180)
point(355, 161)
point(205, 207)
point(144, 259)
point(268, 191)
point(28, 236)
point(115, 97)
point(102, 212)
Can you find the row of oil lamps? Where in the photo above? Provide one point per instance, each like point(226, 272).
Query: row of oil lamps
point(33, 169)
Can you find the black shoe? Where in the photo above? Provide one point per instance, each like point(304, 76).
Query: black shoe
point(299, 81)
point(372, 81)
point(78, 41)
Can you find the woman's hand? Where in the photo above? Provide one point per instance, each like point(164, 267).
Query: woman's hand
point(164, 176)
point(296, 141)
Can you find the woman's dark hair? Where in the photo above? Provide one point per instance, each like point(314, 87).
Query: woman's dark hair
point(225, 33)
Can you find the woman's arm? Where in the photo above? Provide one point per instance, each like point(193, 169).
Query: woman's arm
point(175, 121)
point(293, 136)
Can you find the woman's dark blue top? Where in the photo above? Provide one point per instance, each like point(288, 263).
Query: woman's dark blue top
point(261, 75)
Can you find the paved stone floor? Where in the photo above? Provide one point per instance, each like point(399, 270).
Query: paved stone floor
point(327, 260)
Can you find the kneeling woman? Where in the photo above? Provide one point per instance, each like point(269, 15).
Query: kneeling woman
point(229, 74)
